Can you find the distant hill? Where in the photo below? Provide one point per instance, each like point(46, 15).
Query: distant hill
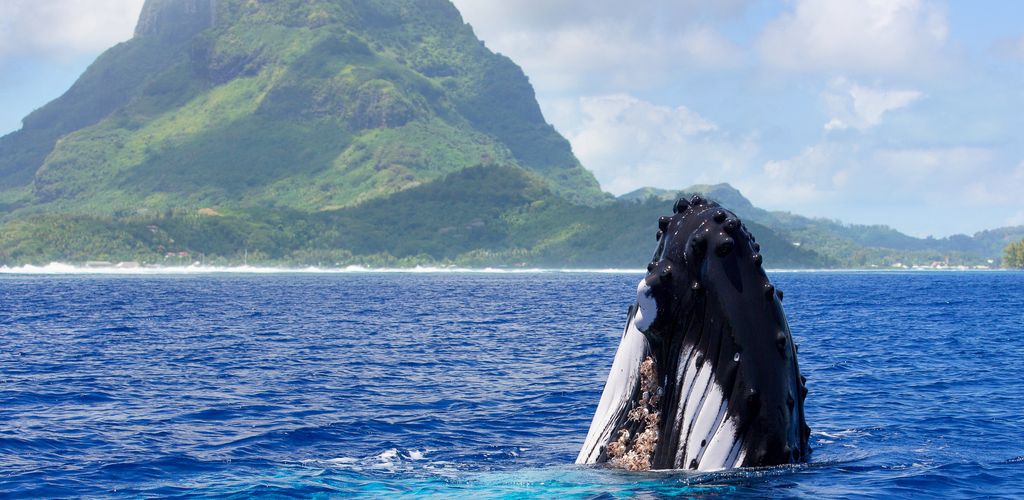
point(852, 245)
point(480, 216)
point(723, 193)
point(337, 132)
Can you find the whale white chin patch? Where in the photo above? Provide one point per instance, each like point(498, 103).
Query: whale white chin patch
point(647, 307)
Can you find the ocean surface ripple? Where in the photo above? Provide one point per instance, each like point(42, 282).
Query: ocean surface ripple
point(475, 385)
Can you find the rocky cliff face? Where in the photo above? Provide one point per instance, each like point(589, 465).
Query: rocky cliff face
point(177, 19)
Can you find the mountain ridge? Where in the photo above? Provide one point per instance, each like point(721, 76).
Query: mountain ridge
point(361, 98)
point(986, 244)
point(301, 132)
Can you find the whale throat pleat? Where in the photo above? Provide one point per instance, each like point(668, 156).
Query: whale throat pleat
point(707, 424)
point(618, 395)
point(722, 449)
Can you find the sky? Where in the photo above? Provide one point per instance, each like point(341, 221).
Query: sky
point(900, 112)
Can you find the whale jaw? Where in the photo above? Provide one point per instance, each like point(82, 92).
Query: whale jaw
point(706, 375)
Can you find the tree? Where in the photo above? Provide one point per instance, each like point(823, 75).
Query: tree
point(1013, 255)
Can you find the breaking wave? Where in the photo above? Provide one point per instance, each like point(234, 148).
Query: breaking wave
point(59, 268)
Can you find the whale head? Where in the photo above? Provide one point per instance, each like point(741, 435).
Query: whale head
point(706, 373)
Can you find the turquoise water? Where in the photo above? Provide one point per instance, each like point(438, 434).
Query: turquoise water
point(475, 385)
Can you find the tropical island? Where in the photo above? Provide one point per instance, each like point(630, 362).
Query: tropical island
point(334, 133)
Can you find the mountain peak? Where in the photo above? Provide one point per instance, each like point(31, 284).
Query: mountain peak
point(723, 193)
point(307, 104)
point(176, 19)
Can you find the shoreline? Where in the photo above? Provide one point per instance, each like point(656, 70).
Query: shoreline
point(61, 269)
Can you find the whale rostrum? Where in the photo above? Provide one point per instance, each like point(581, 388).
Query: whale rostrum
point(706, 375)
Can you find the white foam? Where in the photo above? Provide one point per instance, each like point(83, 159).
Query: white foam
point(617, 392)
point(59, 268)
point(341, 461)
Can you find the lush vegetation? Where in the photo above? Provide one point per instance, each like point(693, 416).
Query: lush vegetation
point(483, 216)
point(480, 216)
point(1013, 255)
point(306, 105)
point(335, 132)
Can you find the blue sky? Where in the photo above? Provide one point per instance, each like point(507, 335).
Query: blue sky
point(898, 112)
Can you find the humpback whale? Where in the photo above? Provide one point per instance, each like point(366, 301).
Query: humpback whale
point(705, 377)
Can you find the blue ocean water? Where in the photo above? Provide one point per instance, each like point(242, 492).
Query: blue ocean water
point(475, 385)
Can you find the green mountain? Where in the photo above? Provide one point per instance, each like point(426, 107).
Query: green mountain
point(479, 216)
point(334, 132)
point(301, 104)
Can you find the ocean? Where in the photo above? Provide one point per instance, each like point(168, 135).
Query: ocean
point(475, 385)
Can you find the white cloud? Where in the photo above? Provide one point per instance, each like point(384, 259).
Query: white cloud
point(1012, 47)
point(605, 44)
point(873, 36)
point(837, 172)
point(936, 181)
point(808, 178)
point(757, 84)
point(1013, 181)
point(993, 186)
point(854, 106)
point(709, 48)
point(64, 28)
point(553, 14)
point(920, 165)
point(630, 143)
point(922, 191)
